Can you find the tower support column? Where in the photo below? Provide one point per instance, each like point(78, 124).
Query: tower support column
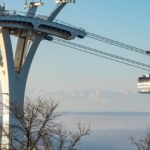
point(13, 83)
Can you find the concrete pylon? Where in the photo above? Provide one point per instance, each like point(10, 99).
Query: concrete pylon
point(13, 76)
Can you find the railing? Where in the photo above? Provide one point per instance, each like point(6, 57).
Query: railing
point(67, 24)
point(14, 12)
point(35, 16)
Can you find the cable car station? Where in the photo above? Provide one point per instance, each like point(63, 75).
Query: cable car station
point(30, 29)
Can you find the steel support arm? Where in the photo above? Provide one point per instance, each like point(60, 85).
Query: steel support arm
point(56, 11)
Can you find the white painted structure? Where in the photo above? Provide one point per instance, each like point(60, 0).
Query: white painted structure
point(30, 29)
point(144, 84)
point(64, 1)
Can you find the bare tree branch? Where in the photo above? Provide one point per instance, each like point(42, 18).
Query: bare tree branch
point(38, 123)
point(142, 144)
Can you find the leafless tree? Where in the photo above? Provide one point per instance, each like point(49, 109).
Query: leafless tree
point(41, 128)
point(142, 144)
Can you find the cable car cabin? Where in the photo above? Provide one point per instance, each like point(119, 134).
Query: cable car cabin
point(144, 84)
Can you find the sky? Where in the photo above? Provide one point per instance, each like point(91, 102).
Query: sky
point(83, 82)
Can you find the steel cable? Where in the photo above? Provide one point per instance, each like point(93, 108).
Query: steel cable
point(116, 43)
point(102, 54)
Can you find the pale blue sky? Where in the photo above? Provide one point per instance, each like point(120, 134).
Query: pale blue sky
point(58, 68)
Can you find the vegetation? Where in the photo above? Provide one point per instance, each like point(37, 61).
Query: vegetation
point(41, 129)
point(142, 144)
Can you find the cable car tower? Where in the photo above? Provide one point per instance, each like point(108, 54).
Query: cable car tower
point(30, 29)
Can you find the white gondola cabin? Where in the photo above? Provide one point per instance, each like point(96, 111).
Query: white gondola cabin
point(144, 84)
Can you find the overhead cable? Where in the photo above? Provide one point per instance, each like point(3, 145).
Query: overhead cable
point(102, 54)
point(116, 43)
point(110, 41)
